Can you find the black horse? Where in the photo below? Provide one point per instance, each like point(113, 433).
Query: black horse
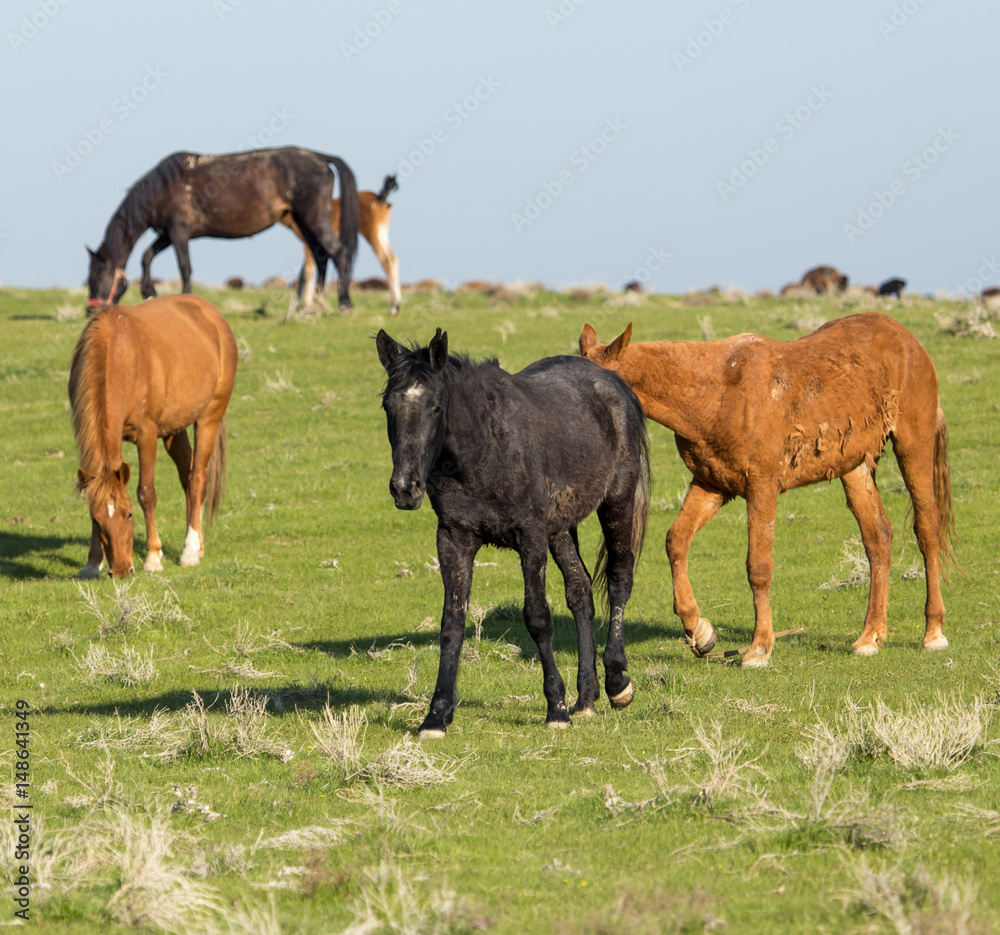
point(892, 287)
point(233, 195)
point(518, 461)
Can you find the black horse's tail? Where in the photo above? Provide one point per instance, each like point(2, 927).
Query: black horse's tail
point(349, 215)
point(640, 513)
point(389, 185)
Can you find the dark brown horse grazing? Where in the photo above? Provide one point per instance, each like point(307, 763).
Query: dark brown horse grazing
point(233, 195)
point(823, 279)
point(755, 417)
point(138, 374)
point(374, 214)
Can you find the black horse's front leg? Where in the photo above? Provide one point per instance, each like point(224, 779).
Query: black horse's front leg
point(158, 246)
point(456, 551)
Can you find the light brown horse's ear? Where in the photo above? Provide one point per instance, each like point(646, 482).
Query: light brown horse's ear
point(388, 349)
point(123, 473)
point(617, 347)
point(81, 479)
point(588, 338)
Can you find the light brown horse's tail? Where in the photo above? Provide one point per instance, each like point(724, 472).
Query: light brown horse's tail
point(640, 513)
point(942, 488)
point(215, 475)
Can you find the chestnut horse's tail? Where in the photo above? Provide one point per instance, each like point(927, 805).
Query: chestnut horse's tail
point(640, 513)
point(942, 487)
point(215, 475)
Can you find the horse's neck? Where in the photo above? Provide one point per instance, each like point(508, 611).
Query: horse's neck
point(121, 235)
point(101, 420)
point(465, 441)
point(675, 382)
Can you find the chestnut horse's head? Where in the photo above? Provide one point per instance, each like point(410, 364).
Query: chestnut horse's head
point(106, 282)
point(606, 355)
point(111, 511)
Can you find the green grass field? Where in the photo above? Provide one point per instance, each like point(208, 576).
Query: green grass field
point(230, 748)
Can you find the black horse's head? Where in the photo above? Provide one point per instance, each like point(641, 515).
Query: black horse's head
point(415, 403)
point(106, 283)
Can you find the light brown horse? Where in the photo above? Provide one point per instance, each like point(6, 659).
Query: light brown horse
point(141, 373)
point(374, 214)
point(754, 417)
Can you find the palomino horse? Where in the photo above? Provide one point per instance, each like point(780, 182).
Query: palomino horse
point(517, 461)
point(233, 195)
point(141, 373)
point(754, 417)
point(374, 215)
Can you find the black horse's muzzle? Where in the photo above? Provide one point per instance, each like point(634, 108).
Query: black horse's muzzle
point(407, 495)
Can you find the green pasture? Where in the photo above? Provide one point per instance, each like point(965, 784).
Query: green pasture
point(230, 748)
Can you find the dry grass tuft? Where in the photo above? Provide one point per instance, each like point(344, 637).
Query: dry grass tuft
point(129, 612)
point(304, 839)
point(913, 903)
point(389, 902)
point(925, 737)
point(281, 382)
point(406, 764)
point(128, 667)
point(855, 561)
point(69, 311)
point(975, 322)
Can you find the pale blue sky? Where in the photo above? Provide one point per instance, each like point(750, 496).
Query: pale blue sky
point(875, 84)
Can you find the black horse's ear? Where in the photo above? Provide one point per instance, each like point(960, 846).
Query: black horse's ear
point(388, 349)
point(93, 255)
point(438, 349)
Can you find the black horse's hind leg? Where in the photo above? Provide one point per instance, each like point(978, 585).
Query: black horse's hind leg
point(180, 242)
point(315, 225)
point(158, 246)
point(538, 619)
point(580, 599)
point(456, 551)
point(616, 521)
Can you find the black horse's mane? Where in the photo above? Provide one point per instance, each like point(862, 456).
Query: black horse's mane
point(414, 365)
point(135, 212)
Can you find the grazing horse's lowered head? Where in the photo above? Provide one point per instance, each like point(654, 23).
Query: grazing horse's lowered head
point(111, 519)
point(415, 403)
point(106, 283)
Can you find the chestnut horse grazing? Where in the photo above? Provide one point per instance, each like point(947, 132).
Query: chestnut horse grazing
point(518, 461)
point(755, 417)
point(141, 373)
point(374, 214)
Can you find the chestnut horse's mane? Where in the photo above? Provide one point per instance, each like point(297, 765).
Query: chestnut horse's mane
point(88, 399)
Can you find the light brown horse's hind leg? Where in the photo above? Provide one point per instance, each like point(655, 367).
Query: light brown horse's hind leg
point(146, 444)
point(380, 244)
point(761, 507)
point(700, 504)
point(916, 464)
point(876, 534)
point(205, 432)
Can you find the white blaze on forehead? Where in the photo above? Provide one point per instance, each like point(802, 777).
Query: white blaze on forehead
point(111, 508)
point(415, 392)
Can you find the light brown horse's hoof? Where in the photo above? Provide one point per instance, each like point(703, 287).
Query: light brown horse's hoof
point(702, 641)
point(431, 734)
point(624, 698)
point(937, 644)
point(865, 649)
point(756, 658)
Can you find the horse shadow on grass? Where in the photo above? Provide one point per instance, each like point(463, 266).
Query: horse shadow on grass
point(18, 549)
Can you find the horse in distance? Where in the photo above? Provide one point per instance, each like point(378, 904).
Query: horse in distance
point(141, 373)
point(187, 196)
point(374, 213)
point(518, 461)
point(754, 417)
